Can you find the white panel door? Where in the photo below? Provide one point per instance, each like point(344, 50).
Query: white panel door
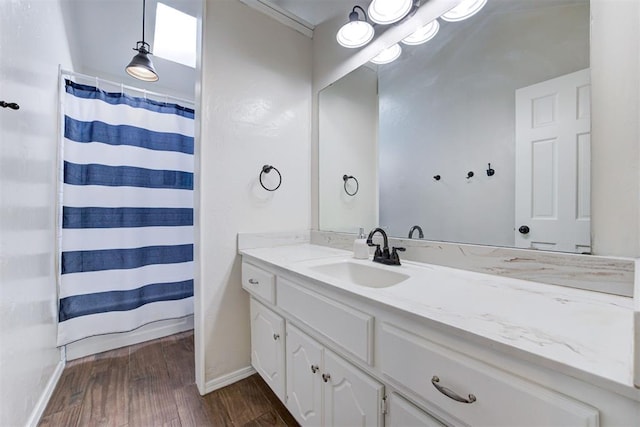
point(553, 130)
point(351, 398)
point(304, 383)
point(267, 346)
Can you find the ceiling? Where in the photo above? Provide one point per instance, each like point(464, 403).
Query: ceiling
point(318, 11)
point(102, 34)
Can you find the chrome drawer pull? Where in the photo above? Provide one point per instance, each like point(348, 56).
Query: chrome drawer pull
point(450, 393)
point(314, 368)
point(253, 281)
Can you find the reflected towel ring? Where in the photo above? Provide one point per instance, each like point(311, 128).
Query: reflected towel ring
point(347, 178)
point(267, 169)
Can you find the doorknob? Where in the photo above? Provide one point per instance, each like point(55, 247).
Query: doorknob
point(524, 229)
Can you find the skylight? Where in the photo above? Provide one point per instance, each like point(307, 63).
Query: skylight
point(175, 36)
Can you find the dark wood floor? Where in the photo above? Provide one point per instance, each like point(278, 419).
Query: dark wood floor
point(152, 384)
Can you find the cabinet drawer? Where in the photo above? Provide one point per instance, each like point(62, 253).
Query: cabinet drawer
point(259, 282)
point(349, 328)
point(403, 414)
point(501, 399)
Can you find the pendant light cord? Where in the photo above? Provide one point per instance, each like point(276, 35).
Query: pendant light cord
point(144, 3)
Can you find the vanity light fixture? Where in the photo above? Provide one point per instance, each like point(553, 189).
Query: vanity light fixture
point(422, 34)
point(357, 32)
point(466, 9)
point(387, 12)
point(388, 55)
point(141, 66)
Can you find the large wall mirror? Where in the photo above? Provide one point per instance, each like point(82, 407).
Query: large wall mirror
point(481, 135)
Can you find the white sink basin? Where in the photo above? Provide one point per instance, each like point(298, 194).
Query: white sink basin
point(362, 275)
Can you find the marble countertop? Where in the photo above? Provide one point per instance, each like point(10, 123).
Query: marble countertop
point(590, 332)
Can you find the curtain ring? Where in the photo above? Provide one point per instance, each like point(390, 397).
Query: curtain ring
point(267, 169)
point(347, 178)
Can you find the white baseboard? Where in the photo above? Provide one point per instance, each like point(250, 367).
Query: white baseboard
point(37, 412)
point(227, 379)
point(98, 344)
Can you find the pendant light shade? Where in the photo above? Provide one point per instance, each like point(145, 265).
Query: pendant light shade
point(357, 32)
point(389, 11)
point(141, 66)
point(423, 34)
point(388, 55)
point(466, 9)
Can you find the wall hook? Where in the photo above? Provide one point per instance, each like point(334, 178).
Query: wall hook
point(469, 174)
point(346, 178)
point(490, 172)
point(436, 177)
point(11, 105)
point(267, 169)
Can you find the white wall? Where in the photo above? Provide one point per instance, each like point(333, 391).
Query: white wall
point(32, 44)
point(615, 136)
point(347, 123)
point(448, 107)
point(256, 110)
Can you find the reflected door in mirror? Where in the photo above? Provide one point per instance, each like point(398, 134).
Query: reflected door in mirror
point(552, 164)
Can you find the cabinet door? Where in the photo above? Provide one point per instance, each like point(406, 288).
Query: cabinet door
point(267, 346)
point(304, 383)
point(402, 413)
point(351, 397)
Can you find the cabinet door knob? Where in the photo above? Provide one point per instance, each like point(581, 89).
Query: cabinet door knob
point(276, 337)
point(326, 377)
point(253, 281)
point(524, 229)
point(450, 393)
point(314, 368)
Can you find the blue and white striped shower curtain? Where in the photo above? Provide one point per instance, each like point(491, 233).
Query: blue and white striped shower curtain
point(126, 238)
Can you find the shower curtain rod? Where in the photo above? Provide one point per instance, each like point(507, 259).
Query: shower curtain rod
point(123, 86)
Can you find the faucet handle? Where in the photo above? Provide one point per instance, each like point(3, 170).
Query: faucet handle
point(395, 258)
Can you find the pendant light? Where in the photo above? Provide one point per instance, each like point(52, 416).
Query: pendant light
point(388, 55)
point(423, 34)
point(141, 66)
point(357, 32)
point(466, 9)
point(387, 12)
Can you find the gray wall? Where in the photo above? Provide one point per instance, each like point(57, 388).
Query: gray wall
point(447, 107)
point(348, 117)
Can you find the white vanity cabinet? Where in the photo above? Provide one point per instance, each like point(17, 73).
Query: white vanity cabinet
point(267, 346)
point(324, 389)
point(343, 351)
point(305, 366)
point(471, 391)
point(402, 413)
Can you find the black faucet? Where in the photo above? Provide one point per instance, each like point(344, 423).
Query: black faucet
point(414, 228)
point(383, 256)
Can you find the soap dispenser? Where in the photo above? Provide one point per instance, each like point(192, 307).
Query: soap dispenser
point(360, 247)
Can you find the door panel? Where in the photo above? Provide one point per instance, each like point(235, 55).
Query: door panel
point(553, 127)
point(267, 346)
point(304, 384)
point(351, 398)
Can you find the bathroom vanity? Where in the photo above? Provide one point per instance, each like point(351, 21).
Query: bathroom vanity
point(349, 342)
